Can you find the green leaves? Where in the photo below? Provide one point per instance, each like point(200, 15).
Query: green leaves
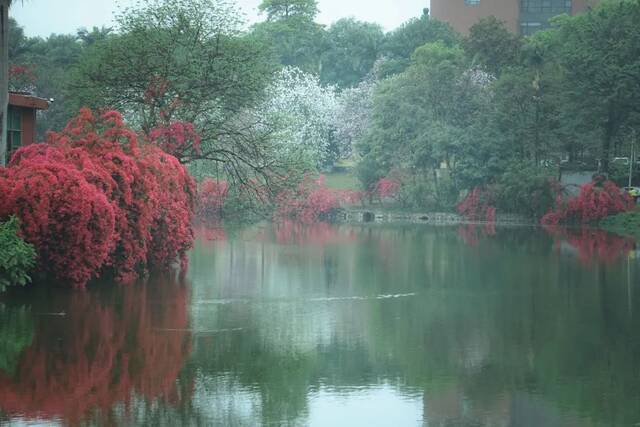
point(17, 257)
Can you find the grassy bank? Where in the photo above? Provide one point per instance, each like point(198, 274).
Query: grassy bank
point(626, 223)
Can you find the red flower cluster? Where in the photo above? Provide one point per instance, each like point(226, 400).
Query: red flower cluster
point(311, 201)
point(91, 198)
point(593, 203)
point(478, 206)
point(211, 197)
point(179, 139)
point(21, 78)
point(386, 188)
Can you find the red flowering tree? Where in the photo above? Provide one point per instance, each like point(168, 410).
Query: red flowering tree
point(478, 205)
point(597, 200)
point(21, 78)
point(93, 198)
point(386, 188)
point(310, 201)
point(179, 139)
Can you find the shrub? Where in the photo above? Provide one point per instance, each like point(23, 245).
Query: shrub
point(387, 188)
point(527, 191)
point(597, 200)
point(479, 205)
point(92, 198)
point(17, 257)
point(310, 201)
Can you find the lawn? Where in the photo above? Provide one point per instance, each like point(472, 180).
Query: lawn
point(342, 181)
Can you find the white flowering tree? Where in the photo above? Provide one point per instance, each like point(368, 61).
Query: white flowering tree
point(354, 115)
point(303, 114)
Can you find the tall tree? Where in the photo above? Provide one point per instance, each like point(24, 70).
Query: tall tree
point(279, 9)
point(351, 49)
point(291, 34)
point(492, 46)
point(400, 43)
point(183, 61)
point(600, 52)
point(4, 76)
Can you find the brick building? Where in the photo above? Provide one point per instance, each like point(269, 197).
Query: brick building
point(521, 16)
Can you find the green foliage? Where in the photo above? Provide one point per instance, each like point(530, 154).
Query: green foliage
point(350, 51)
point(17, 257)
point(296, 41)
point(624, 223)
point(600, 54)
point(492, 46)
point(525, 190)
point(279, 9)
point(400, 44)
point(49, 60)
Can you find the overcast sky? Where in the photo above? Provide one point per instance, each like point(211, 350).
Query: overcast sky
point(43, 17)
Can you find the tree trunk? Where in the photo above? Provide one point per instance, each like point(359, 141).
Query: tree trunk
point(4, 77)
point(609, 134)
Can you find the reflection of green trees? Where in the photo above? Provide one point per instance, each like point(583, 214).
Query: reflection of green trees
point(506, 318)
point(16, 333)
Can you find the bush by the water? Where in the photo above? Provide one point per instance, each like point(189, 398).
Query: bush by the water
point(597, 200)
point(93, 198)
point(17, 257)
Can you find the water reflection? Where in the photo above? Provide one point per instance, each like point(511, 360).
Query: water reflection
point(591, 245)
point(74, 356)
point(505, 331)
point(331, 326)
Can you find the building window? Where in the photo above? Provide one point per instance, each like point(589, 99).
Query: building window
point(472, 2)
point(14, 130)
point(528, 28)
point(548, 7)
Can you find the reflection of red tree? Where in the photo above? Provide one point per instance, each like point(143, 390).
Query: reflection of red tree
point(318, 233)
point(210, 231)
point(470, 233)
point(99, 355)
point(593, 245)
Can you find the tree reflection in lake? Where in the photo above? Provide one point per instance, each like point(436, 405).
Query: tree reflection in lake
point(92, 350)
point(346, 325)
point(506, 332)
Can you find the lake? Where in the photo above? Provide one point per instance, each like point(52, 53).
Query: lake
point(343, 325)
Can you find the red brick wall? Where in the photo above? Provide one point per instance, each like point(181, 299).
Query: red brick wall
point(462, 16)
point(28, 126)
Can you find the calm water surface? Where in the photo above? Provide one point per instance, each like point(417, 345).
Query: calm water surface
point(341, 326)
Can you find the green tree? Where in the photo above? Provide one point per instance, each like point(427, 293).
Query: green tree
point(279, 9)
point(400, 43)
point(180, 60)
point(492, 46)
point(295, 41)
point(421, 117)
point(600, 53)
point(351, 50)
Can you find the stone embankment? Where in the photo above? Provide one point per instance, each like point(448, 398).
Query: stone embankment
point(439, 218)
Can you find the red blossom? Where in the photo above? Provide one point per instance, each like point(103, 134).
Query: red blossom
point(387, 187)
point(478, 206)
point(594, 202)
point(179, 139)
point(90, 198)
